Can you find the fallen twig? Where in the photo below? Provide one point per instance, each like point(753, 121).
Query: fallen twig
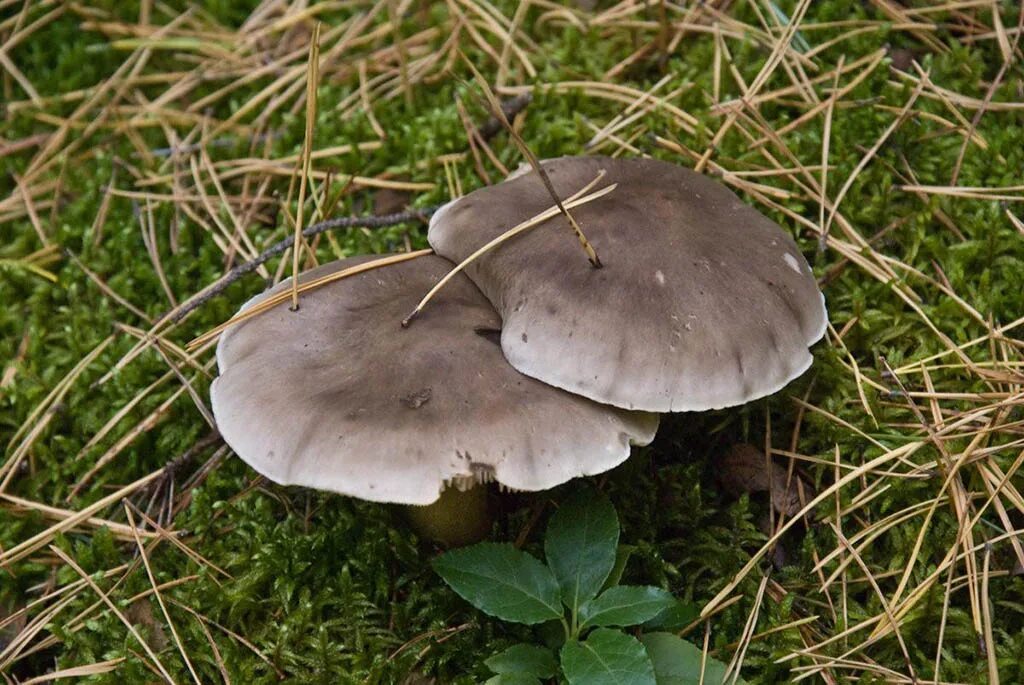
point(217, 287)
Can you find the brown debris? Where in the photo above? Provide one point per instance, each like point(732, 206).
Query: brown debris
point(744, 470)
point(391, 201)
point(140, 613)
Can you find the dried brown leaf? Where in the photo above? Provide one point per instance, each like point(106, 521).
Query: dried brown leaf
point(744, 470)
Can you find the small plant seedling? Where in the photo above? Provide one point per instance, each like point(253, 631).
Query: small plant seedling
point(578, 589)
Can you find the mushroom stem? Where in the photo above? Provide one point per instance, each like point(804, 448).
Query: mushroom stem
point(459, 516)
point(574, 201)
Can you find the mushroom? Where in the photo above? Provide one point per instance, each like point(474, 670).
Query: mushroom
point(337, 396)
point(702, 302)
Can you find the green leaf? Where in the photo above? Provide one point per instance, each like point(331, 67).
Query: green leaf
point(513, 679)
point(608, 657)
point(677, 662)
point(524, 659)
point(551, 634)
point(622, 555)
point(676, 617)
point(502, 581)
point(580, 546)
point(625, 605)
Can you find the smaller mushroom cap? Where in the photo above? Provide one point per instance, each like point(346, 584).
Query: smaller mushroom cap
point(702, 303)
point(338, 396)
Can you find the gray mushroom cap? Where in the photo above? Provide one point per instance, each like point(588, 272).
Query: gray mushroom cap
point(337, 396)
point(702, 303)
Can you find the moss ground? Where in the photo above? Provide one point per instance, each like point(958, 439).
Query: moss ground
point(925, 254)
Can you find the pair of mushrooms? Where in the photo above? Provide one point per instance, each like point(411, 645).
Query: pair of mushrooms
point(530, 367)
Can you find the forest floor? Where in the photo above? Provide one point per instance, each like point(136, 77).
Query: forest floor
point(147, 150)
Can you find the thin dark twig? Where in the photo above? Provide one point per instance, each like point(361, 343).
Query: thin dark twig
point(510, 108)
point(177, 465)
point(220, 285)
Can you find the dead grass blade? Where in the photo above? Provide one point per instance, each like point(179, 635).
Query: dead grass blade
point(117, 612)
point(576, 200)
point(44, 538)
point(77, 671)
point(312, 80)
point(495, 108)
point(156, 593)
point(275, 300)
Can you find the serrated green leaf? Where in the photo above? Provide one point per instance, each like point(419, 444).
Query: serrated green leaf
point(677, 662)
point(607, 657)
point(502, 581)
point(524, 659)
point(580, 546)
point(513, 679)
point(625, 605)
point(675, 617)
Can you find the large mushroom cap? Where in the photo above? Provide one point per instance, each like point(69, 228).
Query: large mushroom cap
point(337, 396)
point(702, 303)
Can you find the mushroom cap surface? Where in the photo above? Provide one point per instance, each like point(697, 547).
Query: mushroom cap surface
point(338, 396)
point(702, 302)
